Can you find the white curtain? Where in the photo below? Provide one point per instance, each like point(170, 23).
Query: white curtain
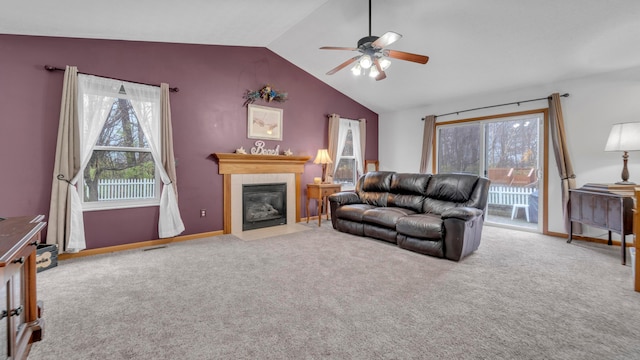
point(95, 98)
point(354, 126)
point(145, 100)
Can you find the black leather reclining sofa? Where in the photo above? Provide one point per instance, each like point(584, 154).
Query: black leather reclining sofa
point(439, 215)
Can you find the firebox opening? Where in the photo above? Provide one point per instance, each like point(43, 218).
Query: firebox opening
point(263, 205)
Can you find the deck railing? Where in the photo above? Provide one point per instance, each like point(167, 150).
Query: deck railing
point(509, 195)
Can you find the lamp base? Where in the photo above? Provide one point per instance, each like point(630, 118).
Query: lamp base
point(625, 171)
point(625, 183)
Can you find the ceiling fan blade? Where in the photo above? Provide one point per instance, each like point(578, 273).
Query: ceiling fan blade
point(381, 74)
point(401, 55)
point(386, 39)
point(343, 65)
point(337, 48)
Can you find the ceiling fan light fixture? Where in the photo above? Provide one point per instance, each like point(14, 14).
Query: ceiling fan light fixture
point(373, 72)
point(356, 69)
point(366, 62)
point(384, 63)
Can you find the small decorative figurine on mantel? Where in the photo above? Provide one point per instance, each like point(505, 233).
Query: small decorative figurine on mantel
point(288, 152)
point(241, 150)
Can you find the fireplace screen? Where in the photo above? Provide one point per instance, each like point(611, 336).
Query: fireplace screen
point(264, 205)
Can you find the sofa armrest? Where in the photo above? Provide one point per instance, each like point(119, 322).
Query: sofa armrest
point(461, 237)
point(344, 198)
point(339, 199)
point(462, 213)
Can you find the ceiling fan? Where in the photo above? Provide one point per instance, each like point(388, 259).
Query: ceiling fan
point(374, 54)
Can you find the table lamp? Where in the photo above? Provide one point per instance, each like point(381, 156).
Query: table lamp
point(624, 137)
point(323, 158)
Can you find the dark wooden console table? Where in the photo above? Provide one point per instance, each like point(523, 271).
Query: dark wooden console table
point(605, 206)
point(21, 320)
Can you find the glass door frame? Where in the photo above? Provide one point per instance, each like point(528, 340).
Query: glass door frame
point(543, 157)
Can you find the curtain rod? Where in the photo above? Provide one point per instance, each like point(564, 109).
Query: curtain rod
point(53, 68)
point(492, 106)
point(362, 119)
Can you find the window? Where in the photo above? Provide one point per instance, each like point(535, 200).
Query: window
point(348, 161)
point(121, 171)
point(459, 149)
point(346, 169)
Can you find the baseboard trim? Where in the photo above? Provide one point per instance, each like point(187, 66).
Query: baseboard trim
point(151, 243)
point(138, 245)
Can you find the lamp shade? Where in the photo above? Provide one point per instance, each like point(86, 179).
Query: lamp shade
point(322, 157)
point(624, 137)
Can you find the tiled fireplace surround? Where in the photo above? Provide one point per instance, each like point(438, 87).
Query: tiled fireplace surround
point(240, 169)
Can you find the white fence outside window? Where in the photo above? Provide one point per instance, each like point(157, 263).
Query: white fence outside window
point(509, 195)
point(124, 189)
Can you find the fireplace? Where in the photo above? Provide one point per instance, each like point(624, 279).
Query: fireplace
point(244, 169)
point(263, 205)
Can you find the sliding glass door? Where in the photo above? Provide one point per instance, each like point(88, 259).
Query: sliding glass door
point(507, 150)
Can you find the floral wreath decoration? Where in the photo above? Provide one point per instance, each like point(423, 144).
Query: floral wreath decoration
point(266, 93)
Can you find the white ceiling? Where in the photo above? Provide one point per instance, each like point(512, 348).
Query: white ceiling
point(474, 46)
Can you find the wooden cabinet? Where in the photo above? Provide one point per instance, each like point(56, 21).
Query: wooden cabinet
point(605, 206)
point(20, 314)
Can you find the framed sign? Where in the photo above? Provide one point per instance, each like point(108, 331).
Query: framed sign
point(264, 123)
point(370, 165)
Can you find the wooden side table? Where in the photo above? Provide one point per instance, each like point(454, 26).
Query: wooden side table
point(321, 192)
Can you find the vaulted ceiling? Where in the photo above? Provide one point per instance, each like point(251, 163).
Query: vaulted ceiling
point(474, 46)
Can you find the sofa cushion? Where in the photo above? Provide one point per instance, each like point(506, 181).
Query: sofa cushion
point(353, 212)
point(409, 184)
point(422, 246)
point(411, 202)
point(377, 181)
point(421, 226)
point(385, 216)
point(373, 187)
point(437, 207)
point(407, 191)
point(350, 227)
point(380, 233)
point(374, 198)
point(451, 187)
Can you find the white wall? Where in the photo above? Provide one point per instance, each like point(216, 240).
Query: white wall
point(595, 103)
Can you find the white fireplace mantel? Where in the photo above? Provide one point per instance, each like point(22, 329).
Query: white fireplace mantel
point(237, 164)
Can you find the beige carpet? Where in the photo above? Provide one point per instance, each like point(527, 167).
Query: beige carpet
point(320, 294)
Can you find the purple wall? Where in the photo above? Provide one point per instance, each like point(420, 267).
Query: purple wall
point(207, 114)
